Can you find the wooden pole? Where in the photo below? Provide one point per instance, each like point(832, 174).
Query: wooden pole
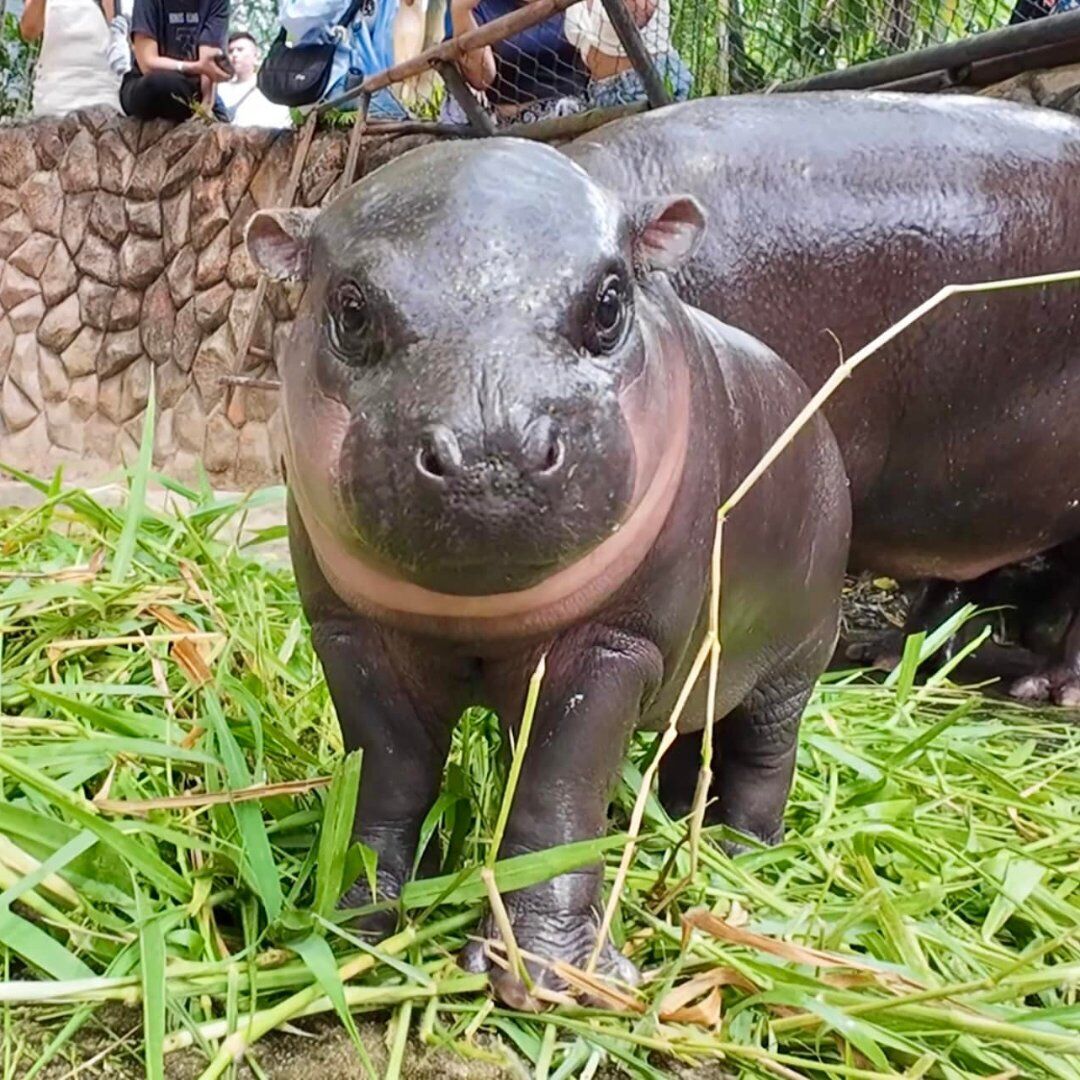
point(479, 121)
point(455, 48)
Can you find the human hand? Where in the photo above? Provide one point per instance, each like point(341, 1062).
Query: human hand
point(215, 66)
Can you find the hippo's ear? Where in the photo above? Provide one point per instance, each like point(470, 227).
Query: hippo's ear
point(278, 242)
point(667, 232)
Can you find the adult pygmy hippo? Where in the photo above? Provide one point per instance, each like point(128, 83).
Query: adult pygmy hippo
point(834, 214)
point(507, 437)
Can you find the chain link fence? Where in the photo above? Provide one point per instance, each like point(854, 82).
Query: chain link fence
point(703, 47)
point(573, 61)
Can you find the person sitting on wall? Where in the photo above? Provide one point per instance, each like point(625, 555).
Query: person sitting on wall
point(241, 98)
point(178, 46)
point(614, 79)
point(534, 74)
point(75, 68)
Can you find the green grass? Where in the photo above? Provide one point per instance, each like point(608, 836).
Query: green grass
point(922, 919)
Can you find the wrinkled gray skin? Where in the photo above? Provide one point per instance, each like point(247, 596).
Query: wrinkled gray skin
point(480, 476)
point(832, 215)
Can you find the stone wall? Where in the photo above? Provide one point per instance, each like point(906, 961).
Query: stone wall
point(121, 256)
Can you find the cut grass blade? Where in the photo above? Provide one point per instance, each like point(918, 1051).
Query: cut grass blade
point(316, 953)
point(152, 956)
point(257, 858)
point(339, 813)
point(129, 534)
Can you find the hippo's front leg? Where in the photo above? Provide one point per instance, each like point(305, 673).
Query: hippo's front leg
point(590, 703)
point(404, 746)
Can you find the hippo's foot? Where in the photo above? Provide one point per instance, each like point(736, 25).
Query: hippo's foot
point(1055, 686)
point(374, 924)
point(737, 847)
point(882, 652)
point(545, 937)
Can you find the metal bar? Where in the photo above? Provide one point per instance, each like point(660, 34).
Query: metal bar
point(993, 70)
point(980, 47)
point(630, 38)
point(479, 121)
point(455, 48)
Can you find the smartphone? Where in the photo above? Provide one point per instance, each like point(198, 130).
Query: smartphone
point(223, 62)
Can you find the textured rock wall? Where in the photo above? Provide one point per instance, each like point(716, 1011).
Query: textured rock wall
point(121, 254)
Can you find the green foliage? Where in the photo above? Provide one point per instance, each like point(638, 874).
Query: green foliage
point(751, 44)
point(258, 17)
point(16, 69)
point(933, 847)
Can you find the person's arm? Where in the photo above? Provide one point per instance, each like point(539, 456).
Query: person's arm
point(478, 65)
point(108, 8)
point(150, 59)
point(215, 28)
point(32, 23)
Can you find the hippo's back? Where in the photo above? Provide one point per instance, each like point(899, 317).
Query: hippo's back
point(830, 217)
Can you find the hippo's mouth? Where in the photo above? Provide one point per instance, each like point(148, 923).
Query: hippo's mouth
point(563, 596)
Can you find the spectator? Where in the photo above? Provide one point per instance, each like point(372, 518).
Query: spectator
point(614, 80)
point(73, 70)
point(241, 97)
point(531, 75)
point(1025, 10)
point(175, 44)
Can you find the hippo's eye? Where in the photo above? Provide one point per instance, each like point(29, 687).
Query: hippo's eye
point(348, 319)
point(609, 317)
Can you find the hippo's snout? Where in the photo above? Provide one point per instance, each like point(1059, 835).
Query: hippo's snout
point(539, 456)
point(479, 509)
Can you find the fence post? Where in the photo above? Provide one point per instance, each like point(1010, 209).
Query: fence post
point(630, 39)
point(474, 112)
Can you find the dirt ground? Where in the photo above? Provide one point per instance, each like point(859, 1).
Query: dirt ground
point(319, 1049)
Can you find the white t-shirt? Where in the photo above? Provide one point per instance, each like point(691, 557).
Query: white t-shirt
point(587, 26)
point(252, 109)
point(72, 70)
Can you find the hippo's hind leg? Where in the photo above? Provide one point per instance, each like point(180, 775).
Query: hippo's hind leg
point(1059, 683)
point(590, 703)
point(933, 601)
point(754, 762)
point(756, 747)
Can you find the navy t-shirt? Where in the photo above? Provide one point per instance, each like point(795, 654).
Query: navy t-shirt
point(536, 64)
point(180, 26)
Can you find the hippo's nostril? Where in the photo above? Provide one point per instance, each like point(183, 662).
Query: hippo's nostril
point(543, 447)
point(554, 458)
point(440, 454)
point(429, 463)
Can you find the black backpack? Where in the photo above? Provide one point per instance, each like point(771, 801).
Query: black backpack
point(298, 75)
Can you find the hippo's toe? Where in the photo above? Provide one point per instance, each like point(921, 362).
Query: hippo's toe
point(547, 941)
point(381, 922)
point(1054, 686)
